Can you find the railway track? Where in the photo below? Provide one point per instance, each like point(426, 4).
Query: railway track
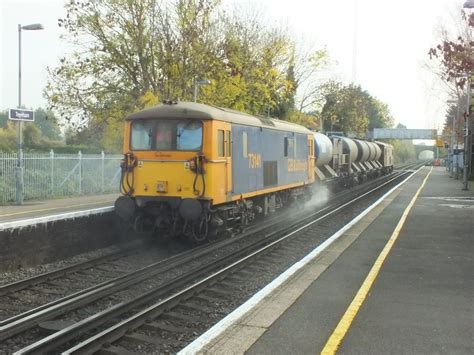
point(201, 276)
point(51, 284)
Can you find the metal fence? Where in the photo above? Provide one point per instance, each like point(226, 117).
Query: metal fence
point(48, 175)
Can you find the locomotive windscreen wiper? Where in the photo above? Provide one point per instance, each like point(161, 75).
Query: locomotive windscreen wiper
point(182, 129)
point(150, 135)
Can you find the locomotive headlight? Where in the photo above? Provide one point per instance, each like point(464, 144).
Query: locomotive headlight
point(162, 186)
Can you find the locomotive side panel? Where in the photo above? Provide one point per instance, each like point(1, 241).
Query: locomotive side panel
point(267, 159)
point(294, 151)
point(247, 170)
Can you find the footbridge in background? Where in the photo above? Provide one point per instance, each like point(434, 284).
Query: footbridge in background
point(401, 133)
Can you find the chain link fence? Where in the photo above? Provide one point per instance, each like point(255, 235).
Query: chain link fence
point(49, 175)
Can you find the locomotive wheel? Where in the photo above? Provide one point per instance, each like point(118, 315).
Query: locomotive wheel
point(138, 224)
point(200, 231)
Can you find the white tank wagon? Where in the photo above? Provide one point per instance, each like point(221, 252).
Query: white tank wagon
point(350, 148)
point(368, 151)
point(324, 155)
point(375, 152)
point(378, 151)
point(351, 161)
point(322, 149)
point(367, 163)
point(386, 158)
point(363, 151)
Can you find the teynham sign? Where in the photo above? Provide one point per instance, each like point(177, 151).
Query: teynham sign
point(17, 114)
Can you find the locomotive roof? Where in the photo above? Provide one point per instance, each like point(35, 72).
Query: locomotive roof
point(180, 110)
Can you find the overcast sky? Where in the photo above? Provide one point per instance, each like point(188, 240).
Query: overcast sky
point(393, 38)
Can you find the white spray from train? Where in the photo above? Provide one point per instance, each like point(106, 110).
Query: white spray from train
point(319, 198)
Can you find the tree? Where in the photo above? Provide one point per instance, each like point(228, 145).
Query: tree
point(378, 113)
point(403, 151)
point(130, 49)
point(114, 61)
point(3, 119)
point(453, 113)
point(310, 120)
point(8, 138)
point(455, 59)
point(308, 66)
point(48, 125)
point(31, 136)
point(351, 110)
point(456, 55)
point(40, 134)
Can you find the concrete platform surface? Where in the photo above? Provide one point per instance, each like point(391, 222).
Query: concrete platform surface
point(421, 300)
point(34, 209)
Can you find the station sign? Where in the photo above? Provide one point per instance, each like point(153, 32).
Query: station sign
point(440, 143)
point(18, 114)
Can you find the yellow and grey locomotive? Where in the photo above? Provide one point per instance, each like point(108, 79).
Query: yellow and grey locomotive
point(194, 169)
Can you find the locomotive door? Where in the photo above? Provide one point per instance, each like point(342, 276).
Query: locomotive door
point(228, 155)
point(310, 158)
point(224, 159)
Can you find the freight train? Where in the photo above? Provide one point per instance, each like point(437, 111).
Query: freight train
point(193, 170)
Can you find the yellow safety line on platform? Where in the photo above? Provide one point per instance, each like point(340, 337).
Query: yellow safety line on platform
point(55, 208)
point(339, 333)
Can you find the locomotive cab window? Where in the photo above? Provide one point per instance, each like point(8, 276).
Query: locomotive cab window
point(228, 144)
point(189, 135)
point(220, 143)
point(152, 134)
point(141, 137)
point(288, 146)
point(163, 135)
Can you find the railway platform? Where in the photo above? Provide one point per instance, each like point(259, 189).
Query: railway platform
point(46, 231)
point(36, 212)
point(399, 280)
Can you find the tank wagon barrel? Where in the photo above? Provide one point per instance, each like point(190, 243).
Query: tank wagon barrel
point(350, 148)
point(353, 160)
point(322, 149)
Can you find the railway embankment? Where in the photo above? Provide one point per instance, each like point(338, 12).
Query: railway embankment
point(29, 244)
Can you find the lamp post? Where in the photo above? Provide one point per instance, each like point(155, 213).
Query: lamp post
point(467, 151)
point(197, 84)
point(453, 137)
point(19, 167)
point(467, 5)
